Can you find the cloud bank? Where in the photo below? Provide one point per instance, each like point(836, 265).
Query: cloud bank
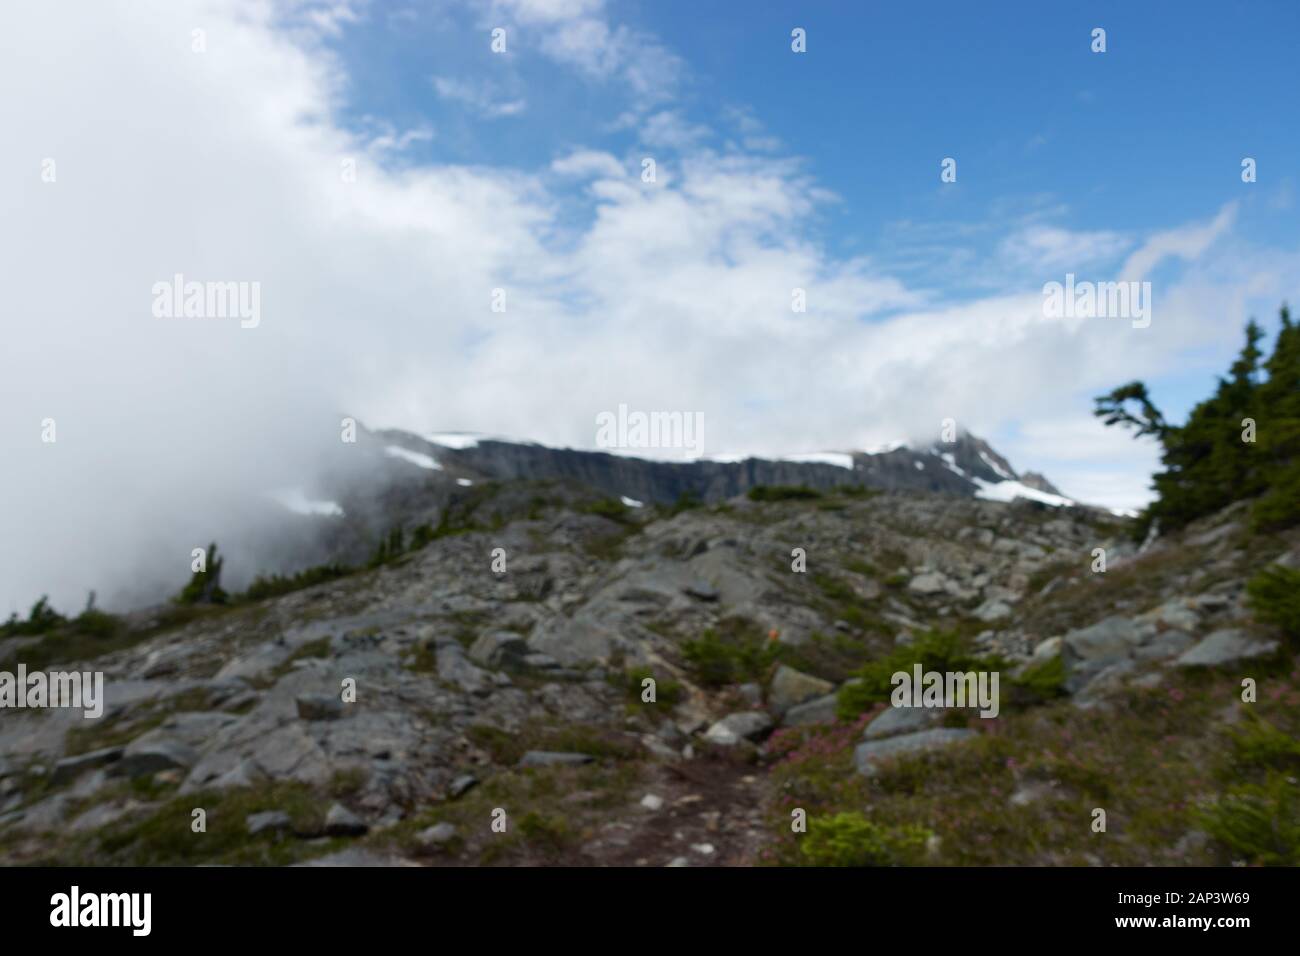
point(133, 156)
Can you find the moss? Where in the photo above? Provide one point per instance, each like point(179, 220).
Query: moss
point(850, 839)
point(164, 837)
point(506, 747)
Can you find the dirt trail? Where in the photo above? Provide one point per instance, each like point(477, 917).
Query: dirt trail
point(711, 816)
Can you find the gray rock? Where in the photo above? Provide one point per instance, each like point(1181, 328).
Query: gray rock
point(548, 758)
point(340, 821)
point(790, 687)
point(436, 835)
point(1226, 646)
point(69, 767)
point(746, 725)
point(814, 711)
point(574, 641)
point(272, 821)
point(1164, 645)
point(462, 785)
point(901, 720)
point(1179, 613)
point(993, 610)
point(1088, 651)
point(499, 649)
point(701, 590)
point(152, 752)
point(319, 707)
point(929, 582)
point(540, 662)
point(1047, 649)
point(456, 669)
point(1109, 639)
point(868, 755)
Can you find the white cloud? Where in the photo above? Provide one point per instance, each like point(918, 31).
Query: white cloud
point(376, 299)
point(1186, 242)
point(1050, 248)
point(477, 97)
point(578, 34)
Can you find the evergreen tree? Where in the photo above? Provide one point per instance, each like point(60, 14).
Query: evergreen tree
point(1208, 461)
point(205, 585)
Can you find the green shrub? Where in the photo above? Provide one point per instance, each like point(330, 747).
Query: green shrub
point(265, 586)
point(1257, 745)
point(729, 656)
point(850, 839)
point(1258, 822)
point(667, 691)
point(389, 549)
point(782, 493)
point(1274, 596)
point(933, 650)
point(1041, 682)
point(611, 508)
point(205, 585)
point(686, 501)
point(40, 618)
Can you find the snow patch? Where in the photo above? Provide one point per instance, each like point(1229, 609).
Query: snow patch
point(457, 440)
point(919, 465)
point(1010, 490)
point(886, 448)
point(464, 482)
point(996, 467)
point(630, 502)
point(414, 457)
point(837, 458)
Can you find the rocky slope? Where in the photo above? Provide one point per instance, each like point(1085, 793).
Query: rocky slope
point(500, 676)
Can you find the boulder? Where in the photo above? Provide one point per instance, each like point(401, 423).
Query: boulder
point(70, 767)
point(340, 821)
point(152, 752)
point(1226, 646)
point(867, 755)
point(816, 711)
point(790, 687)
point(456, 669)
point(732, 729)
point(319, 706)
point(929, 582)
point(499, 649)
point(901, 720)
point(993, 610)
point(436, 835)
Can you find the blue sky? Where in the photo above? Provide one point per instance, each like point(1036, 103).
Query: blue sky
point(1145, 136)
